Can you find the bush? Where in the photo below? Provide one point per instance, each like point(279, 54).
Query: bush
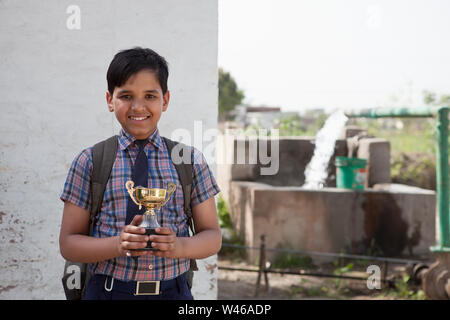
point(223, 214)
point(414, 169)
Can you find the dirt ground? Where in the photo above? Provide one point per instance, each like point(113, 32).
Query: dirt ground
point(241, 285)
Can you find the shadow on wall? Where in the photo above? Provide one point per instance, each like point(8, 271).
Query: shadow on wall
point(385, 228)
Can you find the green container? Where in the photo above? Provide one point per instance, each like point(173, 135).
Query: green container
point(350, 173)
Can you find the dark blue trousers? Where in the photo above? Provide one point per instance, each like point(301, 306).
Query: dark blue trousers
point(176, 289)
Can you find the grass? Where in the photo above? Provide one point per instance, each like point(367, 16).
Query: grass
point(286, 260)
point(231, 237)
point(416, 136)
point(413, 149)
point(408, 142)
point(403, 290)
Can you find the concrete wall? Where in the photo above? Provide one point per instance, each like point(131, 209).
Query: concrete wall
point(294, 155)
point(331, 220)
point(53, 84)
point(378, 154)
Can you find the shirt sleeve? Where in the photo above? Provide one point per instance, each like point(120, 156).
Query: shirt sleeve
point(77, 188)
point(204, 185)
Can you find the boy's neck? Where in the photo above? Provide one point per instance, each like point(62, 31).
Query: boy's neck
point(141, 137)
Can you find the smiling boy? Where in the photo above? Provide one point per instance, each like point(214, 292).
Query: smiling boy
point(138, 95)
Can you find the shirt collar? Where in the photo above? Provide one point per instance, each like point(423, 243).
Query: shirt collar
point(126, 139)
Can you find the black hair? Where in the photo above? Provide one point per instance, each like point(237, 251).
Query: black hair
point(130, 61)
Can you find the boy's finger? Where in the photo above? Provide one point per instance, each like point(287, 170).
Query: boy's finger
point(162, 239)
point(163, 246)
point(137, 219)
point(132, 237)
point(133, 245)
point(162, 230)
point(133, 229)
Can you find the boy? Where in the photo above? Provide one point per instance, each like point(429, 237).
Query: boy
point(137, 94)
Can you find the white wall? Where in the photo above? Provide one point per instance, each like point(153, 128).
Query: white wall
point(52, 87)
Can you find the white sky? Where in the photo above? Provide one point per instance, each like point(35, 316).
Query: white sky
point(298, 54)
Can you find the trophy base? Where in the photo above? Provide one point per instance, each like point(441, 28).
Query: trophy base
point(148, 232)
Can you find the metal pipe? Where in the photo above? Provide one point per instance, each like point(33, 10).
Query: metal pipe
point(442, 181)
point(301, 273)
point(442, 171)
point(328, 254)
point(419, 112)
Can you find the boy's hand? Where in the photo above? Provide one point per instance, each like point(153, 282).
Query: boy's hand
point(167, 242)
point(133, 237)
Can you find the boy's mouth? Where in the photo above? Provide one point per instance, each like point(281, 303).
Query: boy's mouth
point(135, 118)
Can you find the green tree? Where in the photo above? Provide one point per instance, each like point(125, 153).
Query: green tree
point(229, 94)
point(430, 98)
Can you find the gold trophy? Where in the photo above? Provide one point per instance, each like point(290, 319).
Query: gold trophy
point(149, 198)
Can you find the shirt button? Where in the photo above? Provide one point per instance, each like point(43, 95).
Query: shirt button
point(150, 266)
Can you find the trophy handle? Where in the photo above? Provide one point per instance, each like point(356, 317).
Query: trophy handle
point(129, 185)
point(172, 188)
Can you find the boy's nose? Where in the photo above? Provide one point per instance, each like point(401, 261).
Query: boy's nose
point(138, 104)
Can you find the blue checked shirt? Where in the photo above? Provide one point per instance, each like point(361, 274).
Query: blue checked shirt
point(111, 218)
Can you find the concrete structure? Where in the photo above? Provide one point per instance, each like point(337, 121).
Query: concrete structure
point(332, 220)
point(54, 57)
point(294, 154)
point(351, 131)
point(378, 154)
point(400, 219)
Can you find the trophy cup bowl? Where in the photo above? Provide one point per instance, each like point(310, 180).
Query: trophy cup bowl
point(149, 198)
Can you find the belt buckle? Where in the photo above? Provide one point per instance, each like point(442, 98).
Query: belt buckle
point(147, 288)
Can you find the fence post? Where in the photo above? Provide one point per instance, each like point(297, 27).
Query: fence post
point(385, 272)
point(262, 266)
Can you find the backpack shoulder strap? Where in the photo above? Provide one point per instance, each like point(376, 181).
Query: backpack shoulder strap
point(184, 171)
point(103, 157)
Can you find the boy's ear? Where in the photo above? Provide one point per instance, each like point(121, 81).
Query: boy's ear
point(166, 99)
point(109, 102)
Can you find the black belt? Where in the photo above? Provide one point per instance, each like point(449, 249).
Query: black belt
point(138, 287)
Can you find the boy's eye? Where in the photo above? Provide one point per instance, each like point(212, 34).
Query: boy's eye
point(150, 96)
point(126, 97)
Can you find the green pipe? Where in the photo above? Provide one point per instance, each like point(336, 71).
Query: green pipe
point(442, 171)
point(442, 180)
point(425, 111)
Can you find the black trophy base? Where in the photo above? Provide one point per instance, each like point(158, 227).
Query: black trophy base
point(148, 232)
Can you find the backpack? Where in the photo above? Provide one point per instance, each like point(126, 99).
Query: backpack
point(76, 274)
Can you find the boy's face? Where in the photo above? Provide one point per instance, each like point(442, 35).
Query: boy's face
point(139, 103)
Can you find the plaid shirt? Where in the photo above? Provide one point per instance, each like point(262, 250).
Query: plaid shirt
point(111, 218)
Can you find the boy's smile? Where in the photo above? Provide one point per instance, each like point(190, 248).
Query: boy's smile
point(139, 103)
